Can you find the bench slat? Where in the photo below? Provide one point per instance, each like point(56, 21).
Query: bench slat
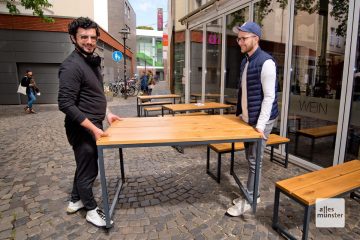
point(319, 131)
point(154, 103)
point(330, 188)
point(152, 109)
point(186, 114)
point(276, 139)
point(226, 147)
point(309, 179)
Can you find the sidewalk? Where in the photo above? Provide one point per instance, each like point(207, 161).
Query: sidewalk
point(167, 195)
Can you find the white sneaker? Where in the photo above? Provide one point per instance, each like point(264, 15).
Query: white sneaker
point(74, 207)
point(97, 217)
point(239, 199)
point(239, 208)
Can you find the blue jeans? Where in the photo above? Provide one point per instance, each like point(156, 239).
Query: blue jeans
point(31, 98)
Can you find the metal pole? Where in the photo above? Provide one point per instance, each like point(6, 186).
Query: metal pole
point(125, 86)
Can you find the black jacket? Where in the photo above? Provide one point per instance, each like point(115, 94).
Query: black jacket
point(81, 91)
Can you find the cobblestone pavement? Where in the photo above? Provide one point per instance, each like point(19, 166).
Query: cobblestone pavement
point(167, 195)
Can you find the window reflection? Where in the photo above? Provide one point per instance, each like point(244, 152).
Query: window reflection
point(196, 39)
point(213, 60)
point(233, 54)
point(273, 19)
point(353, 138)
point(316, 78)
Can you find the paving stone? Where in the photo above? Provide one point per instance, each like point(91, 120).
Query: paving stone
point(167, 195)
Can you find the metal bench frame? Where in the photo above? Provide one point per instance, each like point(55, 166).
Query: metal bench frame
point(218, 172)
point(307, 213)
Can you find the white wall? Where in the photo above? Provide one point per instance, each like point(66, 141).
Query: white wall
point(101, 13)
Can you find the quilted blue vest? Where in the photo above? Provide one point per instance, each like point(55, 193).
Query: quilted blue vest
point(255, 94)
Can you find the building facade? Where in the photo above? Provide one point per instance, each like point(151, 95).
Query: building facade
point(149, 54)
point(27, 42)
point(316, 51)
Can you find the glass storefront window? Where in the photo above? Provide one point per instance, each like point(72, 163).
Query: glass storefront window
point(213, 60)
point(179, 65)
point(145, 53)
point(273, 19)
point(196, 39)
point(316, 78)
point(353, 137)
point(233, 54)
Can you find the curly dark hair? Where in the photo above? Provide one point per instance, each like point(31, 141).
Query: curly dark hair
point(82, 22)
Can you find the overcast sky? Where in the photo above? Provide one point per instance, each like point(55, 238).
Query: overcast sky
point(146, 11)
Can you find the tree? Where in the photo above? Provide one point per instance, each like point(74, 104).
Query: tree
point(145, 27)
point(35, 5)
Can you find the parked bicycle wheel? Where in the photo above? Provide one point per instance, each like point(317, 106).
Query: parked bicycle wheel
point(131, 91)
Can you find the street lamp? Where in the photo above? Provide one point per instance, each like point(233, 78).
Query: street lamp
point(125, 33)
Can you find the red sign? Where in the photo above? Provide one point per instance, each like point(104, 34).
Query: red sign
point(159, 19)
point(165, 40)
point(214, 39)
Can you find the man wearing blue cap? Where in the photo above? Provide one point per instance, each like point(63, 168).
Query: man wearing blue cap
point(257, 100)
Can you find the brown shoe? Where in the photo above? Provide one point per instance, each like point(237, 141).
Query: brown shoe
point(32, 110)
point(28, 110)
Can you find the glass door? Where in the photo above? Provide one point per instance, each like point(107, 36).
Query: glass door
point(274, 21)
point(352, 150)
point(233, 56)
point(213, 60)
point(317, 65)
point(196, 62)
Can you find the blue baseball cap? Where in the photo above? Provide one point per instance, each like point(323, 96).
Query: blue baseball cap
point(250, 27)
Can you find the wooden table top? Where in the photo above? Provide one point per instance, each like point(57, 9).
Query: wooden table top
point(146, 97)
point(195, 106)
point(187, 129)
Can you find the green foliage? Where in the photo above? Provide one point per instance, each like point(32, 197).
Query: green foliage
point(145, 27)
point(340, 13)
point(35, 5)
point(237, 18)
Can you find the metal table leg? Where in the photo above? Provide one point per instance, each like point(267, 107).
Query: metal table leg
point(109, 211)
point(105, 196)
point(257, 174)
point(137, 106)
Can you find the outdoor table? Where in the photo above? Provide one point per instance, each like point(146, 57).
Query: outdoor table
point(160, 131)
point(140, 99)
point(193, 107)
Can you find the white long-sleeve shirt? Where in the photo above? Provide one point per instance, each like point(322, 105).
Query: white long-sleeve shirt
point(268, 81)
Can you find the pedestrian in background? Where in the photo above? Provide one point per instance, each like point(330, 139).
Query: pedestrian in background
point(151, 82)
point(82, 99)
point(144, 83)
point(257, 101)
point(27, 82)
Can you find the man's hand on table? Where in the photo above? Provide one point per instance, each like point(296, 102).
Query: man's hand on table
point(112, 118)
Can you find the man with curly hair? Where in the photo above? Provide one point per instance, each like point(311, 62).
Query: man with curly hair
point(81, 97)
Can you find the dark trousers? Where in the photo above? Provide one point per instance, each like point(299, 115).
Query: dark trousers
point(85, 150)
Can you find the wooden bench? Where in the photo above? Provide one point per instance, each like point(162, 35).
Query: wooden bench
point(150, 109)
point(220, 148)
point(146, 104)
point(315, 133)
point(305, 189)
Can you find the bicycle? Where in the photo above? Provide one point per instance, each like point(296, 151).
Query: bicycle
point(119, 87)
